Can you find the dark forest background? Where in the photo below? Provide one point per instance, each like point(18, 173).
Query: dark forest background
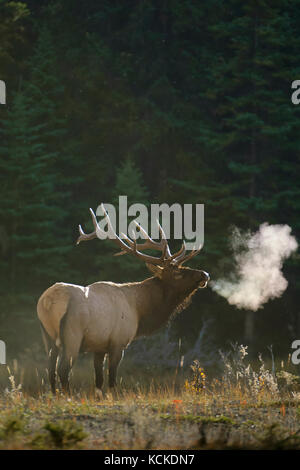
point(161, 100)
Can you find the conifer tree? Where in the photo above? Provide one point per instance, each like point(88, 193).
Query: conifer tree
point(129, 183)
point(32, 196)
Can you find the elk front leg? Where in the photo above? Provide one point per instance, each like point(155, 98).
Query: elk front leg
point(98, 365)
point(115, 357)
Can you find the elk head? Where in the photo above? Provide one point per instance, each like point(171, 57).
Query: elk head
point(168, 268)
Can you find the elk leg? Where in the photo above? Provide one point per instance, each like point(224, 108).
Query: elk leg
point(115, 358)
point(71, 338)
point(64, 369)
point(98, 365)
point(53, 353)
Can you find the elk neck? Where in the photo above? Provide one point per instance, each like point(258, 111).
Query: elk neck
point(157, 302)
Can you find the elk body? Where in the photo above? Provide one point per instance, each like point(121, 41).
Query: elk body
point(105, 317)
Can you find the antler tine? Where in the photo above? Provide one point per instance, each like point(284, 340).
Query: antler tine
point(133, 245)
point(179, 254)
point(83, 237)
point(149, 243)
point(189, 256)
point(143, 231)
point(164, 240)
point(123, 252)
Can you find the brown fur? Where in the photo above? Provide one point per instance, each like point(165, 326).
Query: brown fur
point(104, 318)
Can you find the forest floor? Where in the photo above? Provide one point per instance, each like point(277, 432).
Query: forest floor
point(244, 410)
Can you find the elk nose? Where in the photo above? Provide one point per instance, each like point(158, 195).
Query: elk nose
point(204, 279)
point(205, 275)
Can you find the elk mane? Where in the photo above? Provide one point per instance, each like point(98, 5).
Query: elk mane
point(184, 303)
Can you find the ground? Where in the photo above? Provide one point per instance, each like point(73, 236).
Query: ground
point(244, 410)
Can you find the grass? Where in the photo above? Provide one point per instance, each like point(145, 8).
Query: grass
point(242, 409)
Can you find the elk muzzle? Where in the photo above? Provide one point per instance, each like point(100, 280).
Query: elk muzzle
point(204, 278)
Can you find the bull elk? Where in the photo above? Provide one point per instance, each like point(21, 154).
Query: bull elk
point(104, 317)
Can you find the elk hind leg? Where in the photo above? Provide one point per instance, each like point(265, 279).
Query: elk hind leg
point(65, 364)
point(115, 357)
point(98, 365)
point(71, 342)
point(52, 367)
point(52, 353)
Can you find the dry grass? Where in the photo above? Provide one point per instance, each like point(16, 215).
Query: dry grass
point(243, 409)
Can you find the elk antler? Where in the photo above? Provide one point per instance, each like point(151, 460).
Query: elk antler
point(131, 246)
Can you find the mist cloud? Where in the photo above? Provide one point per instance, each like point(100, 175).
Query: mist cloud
point(258, 259)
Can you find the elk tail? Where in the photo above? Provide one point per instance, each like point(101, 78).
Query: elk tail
point(52, 307)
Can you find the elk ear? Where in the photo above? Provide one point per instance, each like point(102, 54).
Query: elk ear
point(154, 269)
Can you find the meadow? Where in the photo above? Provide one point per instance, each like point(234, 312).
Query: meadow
point(249, 406)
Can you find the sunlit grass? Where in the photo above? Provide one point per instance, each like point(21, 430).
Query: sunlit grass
point(176, 409)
